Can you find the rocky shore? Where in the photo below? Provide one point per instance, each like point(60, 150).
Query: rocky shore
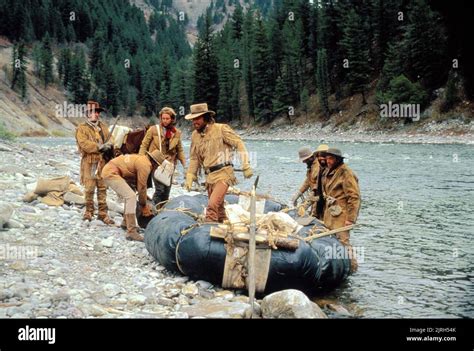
point(54, 265)
point(446, 132)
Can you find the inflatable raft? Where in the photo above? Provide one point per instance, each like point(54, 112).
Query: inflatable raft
point(181, 244)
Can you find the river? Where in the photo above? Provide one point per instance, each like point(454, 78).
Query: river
point(416, 223)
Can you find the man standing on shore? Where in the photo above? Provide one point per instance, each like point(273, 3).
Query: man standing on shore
point(212, 146)
point(91, 137)
point(166, 138)
point(342, 195)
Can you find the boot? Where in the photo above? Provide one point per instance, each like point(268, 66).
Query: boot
point(123, 225)
point(132, 233)
point(106, 219)
point(87, 215)
point(102, 203)
point(89, 197)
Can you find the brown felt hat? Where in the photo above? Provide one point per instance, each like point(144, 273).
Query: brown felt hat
point(199, 110)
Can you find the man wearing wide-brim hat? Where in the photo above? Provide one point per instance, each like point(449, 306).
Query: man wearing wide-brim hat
point(212, 148)
point(342, 195)
point(316, 163)
point(91, 137)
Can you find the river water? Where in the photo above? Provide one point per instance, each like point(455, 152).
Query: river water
point(416, 223)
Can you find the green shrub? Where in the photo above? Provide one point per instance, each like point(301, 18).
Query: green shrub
point(5, 134)
point(402, 91)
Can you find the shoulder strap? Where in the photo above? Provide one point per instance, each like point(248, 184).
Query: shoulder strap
point(158, 129)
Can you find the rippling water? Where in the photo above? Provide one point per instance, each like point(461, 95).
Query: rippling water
point(416, 224)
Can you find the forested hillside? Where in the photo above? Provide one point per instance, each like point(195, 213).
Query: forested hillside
point(253, 61)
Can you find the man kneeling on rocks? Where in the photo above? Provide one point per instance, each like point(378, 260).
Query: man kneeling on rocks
point(132, 171)
point(91, 137)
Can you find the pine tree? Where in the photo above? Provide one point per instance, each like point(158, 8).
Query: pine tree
point(36, 57)
point(46, 61)
point(181, 90)
point(276, 45)
point(237, 22)
point(64, 66)
point(322, 81)
point(111, 90)
point(19, 67)
point(224, 108)
point(385, 27)
point(280, 100)
point(165, 82)
point(262, 75)
point(149, 101)
point(205, 68)
point(247, 56)
point(131, 101)
point(163, 99)
point(304, 103)
point(392, 68)
point(293, 61)
point(78, 82)
point(355, 47)
point(424, 46)
point(97, 49)
point(330, 32)
point(70, 33)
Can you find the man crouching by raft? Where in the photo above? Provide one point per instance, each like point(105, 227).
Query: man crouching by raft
point(91, 139)
point(342, 195)
point(212, 146)
point(132, 171)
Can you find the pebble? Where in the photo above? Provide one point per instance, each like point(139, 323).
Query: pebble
point(137, 299)
point(109, 242)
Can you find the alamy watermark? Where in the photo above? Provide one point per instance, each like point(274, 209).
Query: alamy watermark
point(66, 110)
point(18, 252)
point(394, 110)
point(238, 157)
point(338, 252)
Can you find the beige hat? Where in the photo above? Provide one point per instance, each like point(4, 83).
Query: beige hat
point(305, 153)
point(199, 110)
point(334, 152)
point(322, 148)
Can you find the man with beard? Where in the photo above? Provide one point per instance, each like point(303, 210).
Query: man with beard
point(318, 207)
point(212, 146)
point(316, 163)
point(342, 195)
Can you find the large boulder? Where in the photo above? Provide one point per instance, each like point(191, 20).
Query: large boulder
point(290, 304)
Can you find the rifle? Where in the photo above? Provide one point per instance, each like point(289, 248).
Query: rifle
point(109, 154)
